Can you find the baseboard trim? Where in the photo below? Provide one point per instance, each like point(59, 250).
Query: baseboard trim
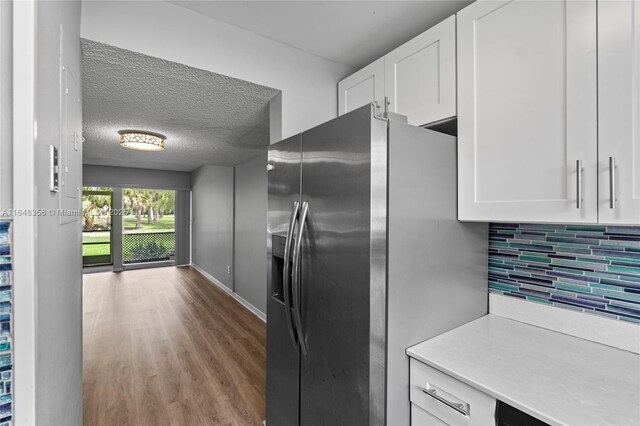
point(610, 332)
point(255, 311)
point(149, 265)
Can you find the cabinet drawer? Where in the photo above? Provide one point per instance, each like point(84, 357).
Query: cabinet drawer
point(448, 399)
point(419, 417)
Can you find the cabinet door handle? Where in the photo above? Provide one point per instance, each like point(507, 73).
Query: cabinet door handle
point(578, 184)
point(612, 182)
point(460, 407)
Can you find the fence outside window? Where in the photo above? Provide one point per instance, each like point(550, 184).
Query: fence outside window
point(148, 247)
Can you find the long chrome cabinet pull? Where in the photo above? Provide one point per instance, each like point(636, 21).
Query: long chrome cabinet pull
point(461, 408)
point(578, 184)
point(285, 271)
point(612, 182)
point(297, 314)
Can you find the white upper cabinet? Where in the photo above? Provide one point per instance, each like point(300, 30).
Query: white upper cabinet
point(420, 75)
point(361, 88)
point(527, 111)
point(619, 111)
point(418, 79)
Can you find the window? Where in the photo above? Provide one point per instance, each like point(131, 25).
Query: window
point(148, 225)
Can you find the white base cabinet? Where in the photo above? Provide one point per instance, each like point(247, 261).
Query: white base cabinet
point(527, 111)
point(439, 399)
point(418, 79)
point(419, 417)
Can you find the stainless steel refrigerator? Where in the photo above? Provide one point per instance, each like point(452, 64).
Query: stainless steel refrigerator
point(366, 258)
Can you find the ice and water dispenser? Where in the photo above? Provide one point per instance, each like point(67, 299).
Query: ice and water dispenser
point(277, 267)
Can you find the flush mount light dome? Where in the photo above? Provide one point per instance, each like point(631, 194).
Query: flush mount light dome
point(142, 141)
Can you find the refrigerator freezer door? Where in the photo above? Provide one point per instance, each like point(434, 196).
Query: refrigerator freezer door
point(283, 358)
point(335, 281)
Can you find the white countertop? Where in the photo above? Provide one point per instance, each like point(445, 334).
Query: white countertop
point(560, 379)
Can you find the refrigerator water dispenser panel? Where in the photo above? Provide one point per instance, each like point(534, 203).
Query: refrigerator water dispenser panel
point(277, 289)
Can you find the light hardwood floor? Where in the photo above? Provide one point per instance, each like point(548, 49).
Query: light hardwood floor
point(164, 346)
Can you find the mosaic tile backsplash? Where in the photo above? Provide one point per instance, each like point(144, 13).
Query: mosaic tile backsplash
point(594, 269)
point(6, 312)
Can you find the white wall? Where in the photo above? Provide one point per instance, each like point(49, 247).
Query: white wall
point(5, 105)
point(308, 83)
point(47, 254)
point(58, 247)
point(212, 222)
point(251, 232)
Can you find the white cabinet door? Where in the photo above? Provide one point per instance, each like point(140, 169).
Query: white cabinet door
point(361, 88)
point(420, 75)
point(619, 111)
point(527, 111)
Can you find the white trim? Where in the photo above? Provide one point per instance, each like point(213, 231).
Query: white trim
point(619, 334)
point(233, 294)
point(24, 227)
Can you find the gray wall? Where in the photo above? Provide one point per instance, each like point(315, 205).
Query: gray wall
point(183, 227)
point(251, 232)
point(127, 177)
point(212, 226)
point(58, 273)
point(275, 119)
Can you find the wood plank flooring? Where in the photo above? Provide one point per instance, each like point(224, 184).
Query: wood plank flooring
point(164, 346)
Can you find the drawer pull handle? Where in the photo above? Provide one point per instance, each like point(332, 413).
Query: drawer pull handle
point(459, 407)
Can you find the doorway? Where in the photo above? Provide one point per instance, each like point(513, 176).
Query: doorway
point(97, 230)
point(148, 226)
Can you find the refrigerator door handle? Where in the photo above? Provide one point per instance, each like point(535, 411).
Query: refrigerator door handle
point(286, 269)
point(297, 314)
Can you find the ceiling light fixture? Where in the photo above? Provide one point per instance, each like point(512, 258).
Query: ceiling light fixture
point(142, 141)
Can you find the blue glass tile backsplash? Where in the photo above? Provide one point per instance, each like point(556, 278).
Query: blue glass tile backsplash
point(594, 269)
point(6, 301)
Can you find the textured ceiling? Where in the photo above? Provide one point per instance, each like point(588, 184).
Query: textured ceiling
point(208, 119)
point(353, 33)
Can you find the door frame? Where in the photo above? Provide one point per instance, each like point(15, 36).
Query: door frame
point(23, 28)
point(101, 260)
